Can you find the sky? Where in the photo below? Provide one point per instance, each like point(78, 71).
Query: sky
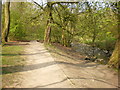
point(44, 1)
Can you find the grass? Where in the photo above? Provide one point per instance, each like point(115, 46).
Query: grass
point(50, 47)
point(11, 56)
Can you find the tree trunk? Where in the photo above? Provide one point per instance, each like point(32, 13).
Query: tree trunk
point(115, 57)
point(47, 34)
point(0, 18)
point(63, 37)
point(48, 29)
point(6, 22)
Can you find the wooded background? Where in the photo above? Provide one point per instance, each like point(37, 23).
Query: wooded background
point(92, 23)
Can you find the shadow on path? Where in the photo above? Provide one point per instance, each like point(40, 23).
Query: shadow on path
point(22, 68)
point(40, 52)
point(16, 44)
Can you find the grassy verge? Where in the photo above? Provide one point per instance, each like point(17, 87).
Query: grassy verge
point(11, 60)
point(64, 51)
point(11, 55)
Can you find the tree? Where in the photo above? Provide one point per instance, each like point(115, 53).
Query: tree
point(6, 22)
point(49, 22)
point(28, 27)
point(0, 17)
point(64, 19)
point(47, 9)
point(115, 58)
point(58, 15)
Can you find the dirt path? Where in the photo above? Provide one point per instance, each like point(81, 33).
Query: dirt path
point(57, 70)
point(41, 71)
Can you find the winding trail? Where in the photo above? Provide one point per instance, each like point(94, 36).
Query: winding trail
point(44, 69)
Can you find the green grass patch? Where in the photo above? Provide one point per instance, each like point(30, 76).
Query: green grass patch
point(12, 62)
point(11, 55)
point(50, 47)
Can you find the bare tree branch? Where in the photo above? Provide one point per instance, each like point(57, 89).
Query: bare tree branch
point(38, 5)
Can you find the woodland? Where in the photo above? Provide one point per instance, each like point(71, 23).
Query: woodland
point(67, 23)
